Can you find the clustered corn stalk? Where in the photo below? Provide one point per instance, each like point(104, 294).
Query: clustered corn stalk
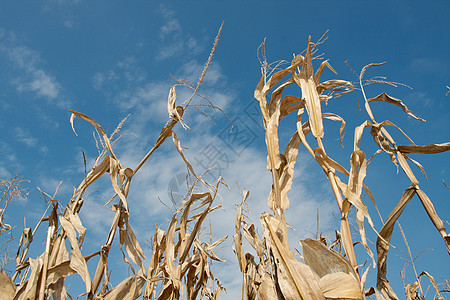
point(180, 263)
point(325, 273)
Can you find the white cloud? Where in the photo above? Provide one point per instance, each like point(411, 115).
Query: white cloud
point(172, 25)
point(173, 41)
point(31, 76)
point(63, 2)
point(427, 65)
point(25, 138)
point(4, 173)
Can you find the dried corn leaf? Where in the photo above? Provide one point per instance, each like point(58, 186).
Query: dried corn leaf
point(295, 279)
point(324, 261)
point(171, 101)
point(7, 288)
point(397, 102)
point(320, 70)
point(32, 285)
point(273, 148)
point(383, 240)
point(77, 261)
point(309, 92)
point(94, 174)
point(177, 144)
point(431, 148)
point(267, 289)
point(340, 86)
point(340, 285)
point(406, 168)
point(114, 172)
point(130, 288)
point(263, 86)
point(132, 247)
point(96, 125)
point(195, 231)
point(237, 238)
point(433, 283)
point(286, 171)
point(59, 271)
point(337, 118)
point(432, 214)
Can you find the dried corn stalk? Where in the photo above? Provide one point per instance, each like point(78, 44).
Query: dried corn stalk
point(180, 264)
point(325, 273)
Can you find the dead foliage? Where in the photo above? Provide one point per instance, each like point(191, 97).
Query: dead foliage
point(274, 272)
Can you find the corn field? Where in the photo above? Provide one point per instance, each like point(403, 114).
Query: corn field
point(180, 263)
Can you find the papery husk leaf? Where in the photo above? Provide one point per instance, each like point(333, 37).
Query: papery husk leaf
point(428, 149)
point(340, 285)
point(130, 288)
point(58, 290)
point(7, 288)
point(353, 195)
point(267, 289)
point(324, 261)
point(295, 279)
point(397, 102)
point(338, 278)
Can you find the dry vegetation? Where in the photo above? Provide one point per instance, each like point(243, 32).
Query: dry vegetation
point(180, 263)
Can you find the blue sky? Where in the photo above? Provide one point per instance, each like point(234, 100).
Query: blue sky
point(109, 59)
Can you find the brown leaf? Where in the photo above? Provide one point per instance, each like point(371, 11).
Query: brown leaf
point(397, 102)
point(77, 261)
point(130, 288)
point(340, 285)
point(295, 279)
point(96, 125)
point(383, 240)
point(431, 148)
point(7, 289)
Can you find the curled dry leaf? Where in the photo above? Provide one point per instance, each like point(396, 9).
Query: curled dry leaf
point(338, 279)
point(428, 149)
point(397, 102)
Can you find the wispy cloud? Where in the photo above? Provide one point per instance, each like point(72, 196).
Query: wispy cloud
point(427, 65)
point(24, 137)
point(8, 161)
point(29, 75)
point(173, 41)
